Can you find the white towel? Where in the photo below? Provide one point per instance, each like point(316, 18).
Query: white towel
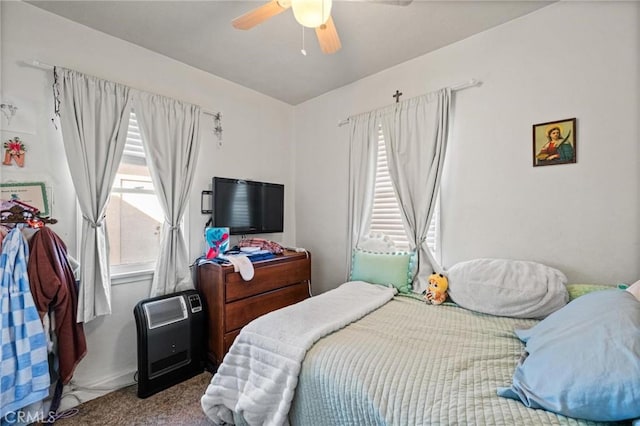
point(240, 263)
point(258, 376)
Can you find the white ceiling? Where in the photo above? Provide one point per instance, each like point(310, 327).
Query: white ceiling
point(267, 58)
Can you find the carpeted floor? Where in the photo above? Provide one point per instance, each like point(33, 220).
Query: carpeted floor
point(178, 405)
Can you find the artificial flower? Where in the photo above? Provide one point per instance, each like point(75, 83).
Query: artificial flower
point(15, 146)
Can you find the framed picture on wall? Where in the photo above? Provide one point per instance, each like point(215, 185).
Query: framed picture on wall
point(554, 142)
point(33, 194)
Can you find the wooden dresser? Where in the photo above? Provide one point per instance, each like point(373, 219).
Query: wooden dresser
point(231, 302)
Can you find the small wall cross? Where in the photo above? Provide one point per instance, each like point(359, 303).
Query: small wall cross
point(397, 96)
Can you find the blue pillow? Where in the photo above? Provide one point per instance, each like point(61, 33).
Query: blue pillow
point(583, 360)
point(383, 268)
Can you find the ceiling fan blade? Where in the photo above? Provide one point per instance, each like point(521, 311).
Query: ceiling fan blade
point(328, 37)
point(258, 15)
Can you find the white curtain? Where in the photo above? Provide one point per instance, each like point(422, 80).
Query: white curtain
point(94, 116)
point(415, 133)
point(363, 152)
point(170, 134)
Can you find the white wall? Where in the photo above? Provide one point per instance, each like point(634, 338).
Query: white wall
point(570, 59)
point(257, 144)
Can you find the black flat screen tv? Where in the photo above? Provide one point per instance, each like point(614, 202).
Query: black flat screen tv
point(248, 207)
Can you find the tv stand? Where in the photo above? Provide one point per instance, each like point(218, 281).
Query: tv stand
point(232, 303)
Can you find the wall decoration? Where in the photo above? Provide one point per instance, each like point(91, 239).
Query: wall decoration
point(554, 142)
point(14, 150)
point(17, 114)
point(31, 193)
point(8, 110)
point(217, 127)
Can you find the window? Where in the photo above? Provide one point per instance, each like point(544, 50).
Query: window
point(134, 215)
point(386, 216)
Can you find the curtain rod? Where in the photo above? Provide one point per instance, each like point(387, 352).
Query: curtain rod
point(47, 67)
point(471, 83)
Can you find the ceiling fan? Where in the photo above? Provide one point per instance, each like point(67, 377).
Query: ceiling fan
point(309, 13)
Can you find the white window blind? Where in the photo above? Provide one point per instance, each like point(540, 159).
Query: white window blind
point(134, 215)
point(386, 216)
point(133, 149)
point(433, 234)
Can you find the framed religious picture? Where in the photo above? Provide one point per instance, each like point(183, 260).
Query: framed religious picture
point(554, 142)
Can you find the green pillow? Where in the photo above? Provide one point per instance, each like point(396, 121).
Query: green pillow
point(383, 268)
point(577, 290)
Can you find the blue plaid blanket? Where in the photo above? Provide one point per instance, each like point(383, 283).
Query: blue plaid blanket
point(24, 369)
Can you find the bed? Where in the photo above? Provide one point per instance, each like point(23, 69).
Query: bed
point(404, 362)
point(408, 363)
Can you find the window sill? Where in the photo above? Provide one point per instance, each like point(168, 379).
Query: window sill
point(128, 277)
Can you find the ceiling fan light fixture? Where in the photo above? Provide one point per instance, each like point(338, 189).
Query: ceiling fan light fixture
point(311, 13)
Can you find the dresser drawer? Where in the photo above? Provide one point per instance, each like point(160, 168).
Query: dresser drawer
point(231, 302)
point(241, 312)
point(267, 278)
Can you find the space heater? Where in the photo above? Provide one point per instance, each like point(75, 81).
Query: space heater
point(170, 340)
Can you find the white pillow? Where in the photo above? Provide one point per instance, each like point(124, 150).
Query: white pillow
point(377, 242)
point(512, 288)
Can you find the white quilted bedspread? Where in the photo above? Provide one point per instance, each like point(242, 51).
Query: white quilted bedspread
point(409, 363)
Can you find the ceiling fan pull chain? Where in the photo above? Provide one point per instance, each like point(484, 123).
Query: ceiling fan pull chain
point(303, 51)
